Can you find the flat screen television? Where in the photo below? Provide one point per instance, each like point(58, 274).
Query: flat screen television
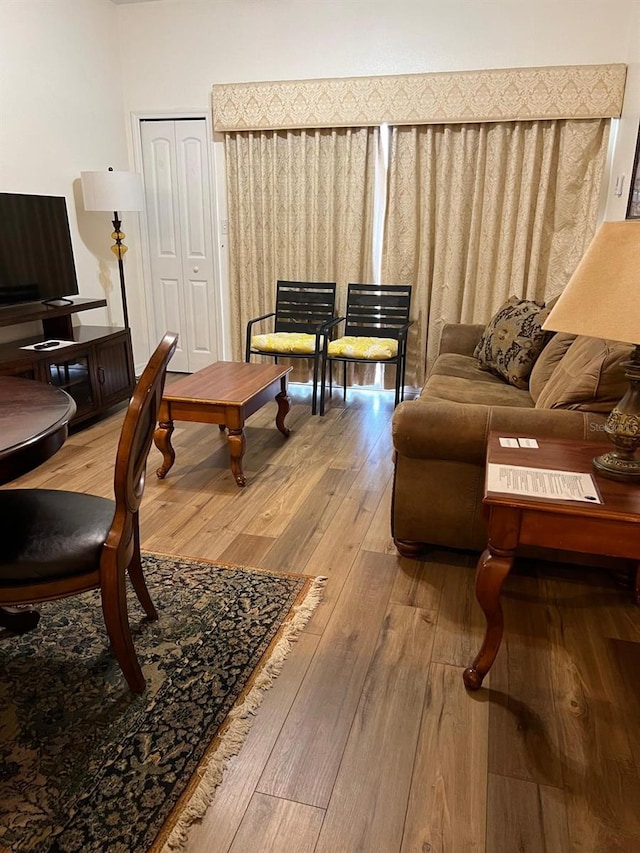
point(36, 253)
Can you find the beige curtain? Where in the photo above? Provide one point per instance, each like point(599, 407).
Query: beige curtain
point(300, 208)
point(478, 212)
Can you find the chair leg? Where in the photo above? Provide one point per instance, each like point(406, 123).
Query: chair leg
point(136, 575)
point(116, 620)
point(314, 398)
point(344, 381)
point(323, 383)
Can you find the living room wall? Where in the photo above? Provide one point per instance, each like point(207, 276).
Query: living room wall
point(173, 50)
point(61, 109)
point(73, 71)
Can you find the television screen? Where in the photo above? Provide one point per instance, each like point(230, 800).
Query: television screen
point(36, 254)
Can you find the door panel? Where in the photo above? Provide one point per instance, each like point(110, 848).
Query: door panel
point(202, 325)
point(177, 184)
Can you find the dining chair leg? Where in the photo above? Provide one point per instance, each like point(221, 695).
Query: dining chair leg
point(136, 575)
point(116, 620)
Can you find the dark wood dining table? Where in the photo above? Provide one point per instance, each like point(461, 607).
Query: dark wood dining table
point(34, 424)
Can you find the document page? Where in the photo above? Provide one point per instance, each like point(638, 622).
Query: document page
point(542, 483)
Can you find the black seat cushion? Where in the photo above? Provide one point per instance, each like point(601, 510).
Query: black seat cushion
point(47, 534)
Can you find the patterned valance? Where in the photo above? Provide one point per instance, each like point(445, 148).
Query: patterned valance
point(508, 94)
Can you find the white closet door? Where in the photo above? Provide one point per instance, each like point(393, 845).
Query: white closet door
point(178, 205)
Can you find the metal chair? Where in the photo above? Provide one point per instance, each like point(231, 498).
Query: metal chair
point(301, 313)
point(57, 544)
point(375, 331)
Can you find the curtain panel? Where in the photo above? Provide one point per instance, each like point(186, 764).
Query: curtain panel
point(503, 94)
point(479, 212)
point(300, 208)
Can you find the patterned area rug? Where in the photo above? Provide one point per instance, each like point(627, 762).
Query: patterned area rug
point(86, 766)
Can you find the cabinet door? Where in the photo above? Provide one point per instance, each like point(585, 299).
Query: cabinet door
point(73, 375)
point(113, 369)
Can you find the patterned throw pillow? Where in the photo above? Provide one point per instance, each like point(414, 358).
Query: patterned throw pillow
point(513, 340)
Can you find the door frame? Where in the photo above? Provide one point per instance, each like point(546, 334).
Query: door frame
point(219, 241)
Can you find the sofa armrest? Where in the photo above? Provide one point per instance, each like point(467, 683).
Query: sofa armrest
point(461, 338)
point(438, 429)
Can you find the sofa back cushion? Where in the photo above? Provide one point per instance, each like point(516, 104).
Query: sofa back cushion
point(513, 340)
point(547, 361)
point(588, 377)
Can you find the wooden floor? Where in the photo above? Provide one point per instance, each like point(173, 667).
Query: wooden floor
point(368, 740)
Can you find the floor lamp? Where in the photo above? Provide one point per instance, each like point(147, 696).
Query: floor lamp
point(114, 191)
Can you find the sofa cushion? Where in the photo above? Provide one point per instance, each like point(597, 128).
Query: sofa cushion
point(458, 379)
point(547, 362)
point(464, 367)
point(513, 340)
point(589, 377)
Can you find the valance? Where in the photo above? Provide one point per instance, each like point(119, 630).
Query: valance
point(449, 97)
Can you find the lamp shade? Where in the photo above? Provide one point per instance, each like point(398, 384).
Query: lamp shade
point(112, 191)
point(602, 297)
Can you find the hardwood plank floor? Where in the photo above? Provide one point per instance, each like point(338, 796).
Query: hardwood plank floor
point(368, 741)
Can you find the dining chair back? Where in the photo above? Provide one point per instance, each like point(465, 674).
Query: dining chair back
point(58, 543)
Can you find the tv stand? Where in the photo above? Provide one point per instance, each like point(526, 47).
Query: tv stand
point(95, 368)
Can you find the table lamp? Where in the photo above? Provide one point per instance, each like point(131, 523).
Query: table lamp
point(114, 191)
point(602, 300)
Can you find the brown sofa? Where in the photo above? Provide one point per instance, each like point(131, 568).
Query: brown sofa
point(440, 438)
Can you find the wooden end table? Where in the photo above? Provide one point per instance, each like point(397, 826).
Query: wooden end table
point(611, 528)
point(224, 393)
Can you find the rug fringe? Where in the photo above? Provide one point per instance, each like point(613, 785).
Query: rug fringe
point(239, 720)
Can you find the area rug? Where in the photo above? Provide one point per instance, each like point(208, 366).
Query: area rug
point(86, 766)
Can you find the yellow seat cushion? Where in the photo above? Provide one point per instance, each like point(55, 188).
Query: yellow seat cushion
point(297, 342)
point(356, 347)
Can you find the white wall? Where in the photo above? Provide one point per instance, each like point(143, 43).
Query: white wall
point(173, 50)
point(61, 112)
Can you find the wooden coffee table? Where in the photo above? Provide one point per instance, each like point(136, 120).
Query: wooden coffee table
point(611, 528)
point(224, 393)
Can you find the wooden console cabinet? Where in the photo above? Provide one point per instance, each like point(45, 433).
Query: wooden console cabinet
point(96, 369)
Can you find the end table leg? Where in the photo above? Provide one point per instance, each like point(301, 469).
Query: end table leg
point(237, 444)
point(493, 568)
point(162, 440)
point(284, 405)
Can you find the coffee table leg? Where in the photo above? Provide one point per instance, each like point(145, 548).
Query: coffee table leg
point(493, 568)
point(284, 405)
point(237, 444)
point(162, 440)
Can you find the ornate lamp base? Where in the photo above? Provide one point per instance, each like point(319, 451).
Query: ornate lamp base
point(623, 430)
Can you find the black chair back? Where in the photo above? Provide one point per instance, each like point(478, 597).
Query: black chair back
point(377, 310)
point(304, 306)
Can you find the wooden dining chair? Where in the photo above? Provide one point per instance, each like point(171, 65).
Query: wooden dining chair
point(57, 543)
point(302, 309)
